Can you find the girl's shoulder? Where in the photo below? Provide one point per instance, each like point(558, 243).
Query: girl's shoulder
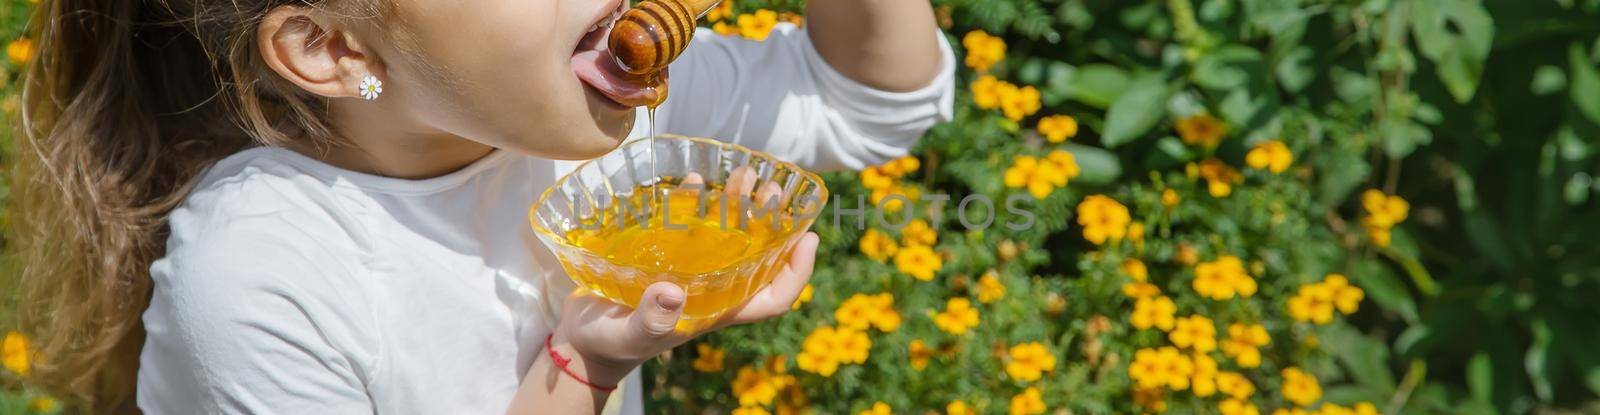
point(264, 203)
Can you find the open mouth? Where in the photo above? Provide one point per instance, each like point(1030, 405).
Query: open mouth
point(593, 63)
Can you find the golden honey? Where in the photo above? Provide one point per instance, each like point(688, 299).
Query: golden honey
point(698, 247)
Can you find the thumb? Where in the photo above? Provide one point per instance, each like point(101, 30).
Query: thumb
point(658, 310)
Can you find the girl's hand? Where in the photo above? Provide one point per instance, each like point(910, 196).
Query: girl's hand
point(609, 340)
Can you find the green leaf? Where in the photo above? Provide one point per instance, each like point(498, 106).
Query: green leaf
point(1364, 357)
point(1548, 80)
point(1385, 289)
point(1096, 84)
point(1456, 35)
point(1294, 71)
point(1136, 111)
point(1229, 67)
point(1096, 165)
point(1538, 360)
point(1585, 83)
point(1480, 376)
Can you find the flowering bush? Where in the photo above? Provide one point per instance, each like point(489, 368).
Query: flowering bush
point(1217, 225)
point(1219, 222)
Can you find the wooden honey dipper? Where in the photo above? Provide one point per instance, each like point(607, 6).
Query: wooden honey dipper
point(653, 33)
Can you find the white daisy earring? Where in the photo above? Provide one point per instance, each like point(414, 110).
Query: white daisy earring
point(370, 87)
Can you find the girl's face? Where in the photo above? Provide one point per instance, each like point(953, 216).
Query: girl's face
point(532, 76)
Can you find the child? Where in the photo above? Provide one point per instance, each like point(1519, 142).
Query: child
point(296, 206)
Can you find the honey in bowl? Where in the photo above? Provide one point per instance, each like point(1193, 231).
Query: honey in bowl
point(696, 238)
point(679, 210)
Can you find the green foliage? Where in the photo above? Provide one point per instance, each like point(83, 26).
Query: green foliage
point(1483, 115)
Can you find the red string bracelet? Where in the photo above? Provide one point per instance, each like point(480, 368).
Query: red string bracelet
point(562, 362)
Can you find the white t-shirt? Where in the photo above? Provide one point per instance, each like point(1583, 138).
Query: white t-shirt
point(292, 286)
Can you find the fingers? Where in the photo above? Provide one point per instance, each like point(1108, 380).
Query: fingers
point(777, 297)
point(741, 181)
point(658, 310)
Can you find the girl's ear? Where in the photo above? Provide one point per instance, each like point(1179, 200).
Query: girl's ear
point(301, 45)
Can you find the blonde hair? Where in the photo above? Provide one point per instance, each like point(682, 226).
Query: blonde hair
point(124, 105)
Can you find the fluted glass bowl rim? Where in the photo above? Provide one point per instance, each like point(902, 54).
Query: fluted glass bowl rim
point(551, 236)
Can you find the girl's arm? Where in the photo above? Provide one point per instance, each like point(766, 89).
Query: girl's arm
point(884, 44)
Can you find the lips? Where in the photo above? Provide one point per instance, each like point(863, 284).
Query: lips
point(593, 64)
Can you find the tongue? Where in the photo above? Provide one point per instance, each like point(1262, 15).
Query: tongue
point(596, 68)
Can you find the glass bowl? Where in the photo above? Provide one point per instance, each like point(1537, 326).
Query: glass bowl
point(717, 219)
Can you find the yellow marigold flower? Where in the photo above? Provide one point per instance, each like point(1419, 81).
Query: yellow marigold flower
point(1200, 130)
point(918, 232)
point(958, 408)
point(904, 165)
point(753, 387)
point(1058, 128)
point(15, 353)
point(1103, 219)
point(1018, 103)
point(724, 10)
point(805, 297)
point(1366, 408)
point(1150, 399)
point(1153, 312)
point(1138, 290)
point(1169, 198)
point(886, 319)
point(1313, 303)
point(877, 245)
point(983, 50)
point(1383, 213)
point(878, 408)
point(1237, 407)
point(20, 51)
point(1235, 385)
point(1135, 269)
point(1164, 367)
point(918, 261)
point(1244, 342)
point(874, 178)
point(757, 26)
point(1029, 402)
point(1271, 155)
point(750, 410)
point(1290, 411)
point(827, 347)
point(1041, 177)
point(1136, 233)
point(957, 317)
point(1223, 278)
point(1030, 361)
point(725, 29)
point(43, 405)
point(1204, 381)
point(709, 359)
point(1335, 409)
point(906, 193)
point(1219, 177)
point(920, 354)
point(1380, 236)
point(797, 19)
point(1384, 210)
point(986, 92)
point(1347, 298)
point(990, 289)
point(1300, 387)
point(1195, 331)
point(856, 312)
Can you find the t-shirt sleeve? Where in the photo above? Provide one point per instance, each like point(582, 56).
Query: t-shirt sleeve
point(779, 95)
point(254, 316)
